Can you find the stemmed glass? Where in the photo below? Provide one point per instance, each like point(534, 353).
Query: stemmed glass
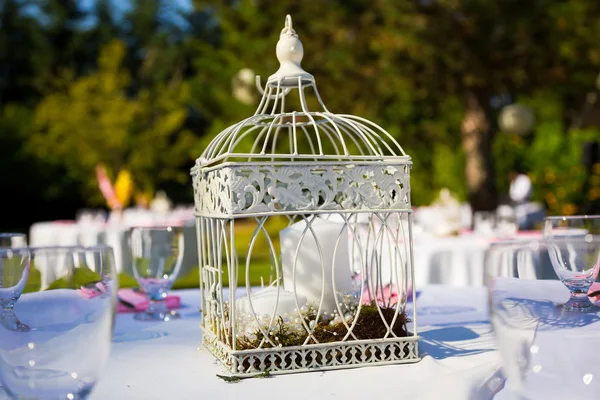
point(484, 223)
point(572, 225)
point(9, 240)
point(576, 261)
point(13, 240)
point(157, 255)
point(14, 270)
point(61, 342)
point(545, 348)
point(574, 246)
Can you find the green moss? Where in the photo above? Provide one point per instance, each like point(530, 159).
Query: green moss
point(369, 325)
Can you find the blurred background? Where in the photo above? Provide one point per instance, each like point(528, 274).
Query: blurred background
point(104, 103)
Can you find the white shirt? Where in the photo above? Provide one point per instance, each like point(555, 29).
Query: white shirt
point(520, 189)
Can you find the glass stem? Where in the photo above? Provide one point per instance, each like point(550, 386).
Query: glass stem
point(10, 321)
point(579, 298)
point(157, 306)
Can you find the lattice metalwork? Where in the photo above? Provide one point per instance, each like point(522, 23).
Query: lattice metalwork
point(317, 204)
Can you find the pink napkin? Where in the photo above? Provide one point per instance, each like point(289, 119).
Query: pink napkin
point(529, 234)
point(389, 295)
point(594, 288)
point(64, 222)
point(140, 302)
point(521, 235)
point(92, 290)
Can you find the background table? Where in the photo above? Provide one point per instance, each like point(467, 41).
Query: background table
point(163, 360)
point(114, 234)
point(455, 260)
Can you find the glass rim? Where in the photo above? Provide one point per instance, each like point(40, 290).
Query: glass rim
point(542, 241)
point(515, 242)
point(566, 217)
point(12, 234)
point(158, 228)
point(67, 249)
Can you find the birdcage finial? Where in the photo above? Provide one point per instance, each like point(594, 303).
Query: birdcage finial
point(289, 53)
point(288, 26)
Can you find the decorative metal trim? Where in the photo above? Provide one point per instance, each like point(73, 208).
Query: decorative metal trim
point(240, 190)
point(329, 356)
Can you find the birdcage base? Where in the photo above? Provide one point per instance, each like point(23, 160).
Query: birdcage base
point(316, 357)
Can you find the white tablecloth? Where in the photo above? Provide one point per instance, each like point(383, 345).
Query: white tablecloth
point(163, 360)
point(455, 260)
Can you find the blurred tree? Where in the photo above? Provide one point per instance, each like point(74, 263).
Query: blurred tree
point(21, 37)
point(103, 125)
point(154, 41)
point(433, 73)
point(477, 50)
point(26, 55)
point(66, 44)
point(105, 28)
point(552, 157)
point(31, 190)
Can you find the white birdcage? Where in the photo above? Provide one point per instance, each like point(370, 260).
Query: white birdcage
point(318, 205)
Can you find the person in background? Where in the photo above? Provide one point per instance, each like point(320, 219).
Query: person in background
point(528, 214)
point(161, 204)
point(520, 188)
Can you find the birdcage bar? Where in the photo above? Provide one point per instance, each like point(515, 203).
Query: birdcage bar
point(269, 121)
point(412, 276)
point(347, 120)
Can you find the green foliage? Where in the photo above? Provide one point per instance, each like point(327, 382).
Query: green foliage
point(149, 91)
point(93, 121)
point(78, 279)
point(552, 157)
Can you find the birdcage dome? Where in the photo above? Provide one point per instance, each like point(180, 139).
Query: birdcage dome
point(277, 134)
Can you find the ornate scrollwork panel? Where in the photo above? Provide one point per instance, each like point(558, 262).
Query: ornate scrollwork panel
point(234, 190)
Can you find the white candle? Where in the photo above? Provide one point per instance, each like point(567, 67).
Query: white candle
point(266, 305)
point(381, 251)
point(264, 302)
point(310, 269)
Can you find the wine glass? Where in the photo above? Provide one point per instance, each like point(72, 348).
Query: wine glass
point(576, 261)
point(157, 255)
point(12, 240)
point(14, 271)
point(573, 246)
point(484, 223)
point(67, 304)
point(545, 349)
point(506, 221)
